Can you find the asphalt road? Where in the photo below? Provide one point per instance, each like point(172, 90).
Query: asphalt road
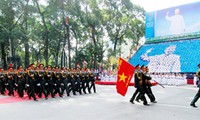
point(106, 104)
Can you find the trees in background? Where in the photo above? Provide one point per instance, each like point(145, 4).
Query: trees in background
point(67, 32)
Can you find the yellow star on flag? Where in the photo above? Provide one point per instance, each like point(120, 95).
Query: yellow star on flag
point(122, 77)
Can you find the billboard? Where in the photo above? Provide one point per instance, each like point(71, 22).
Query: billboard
point(176, 56)
point(175, 21)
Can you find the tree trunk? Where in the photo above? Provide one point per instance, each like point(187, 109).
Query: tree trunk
point(115, 46)
point(46, 53)
point(46, 50)
point(69, 46)
point(26, 45)
point(57, 53)
point(95, 46)
point(27, 54)
point(3, 58)
point(76, 47)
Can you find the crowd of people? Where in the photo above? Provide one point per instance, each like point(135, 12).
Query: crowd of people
point(171, 79)
point(174, 79)
point(46, 81)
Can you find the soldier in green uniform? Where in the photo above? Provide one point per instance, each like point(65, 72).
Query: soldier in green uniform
point(140, 84)
point(148, 86)
point(87, 80)
point(198, 93)
point(78, 81)
point(137, 84)
point(20, 81)
point(57, 81)
point(92, 80)
point(82, 80)
point(10, 81)
point(71, 80)
point(41, 81)
point(49, 81)
point(2, 81)
point(31, 83)
point(64, 81)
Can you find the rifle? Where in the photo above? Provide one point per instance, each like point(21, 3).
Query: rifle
point(159, 84)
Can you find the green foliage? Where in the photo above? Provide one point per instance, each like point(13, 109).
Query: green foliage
point(90, 21)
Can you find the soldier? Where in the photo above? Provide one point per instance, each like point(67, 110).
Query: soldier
point(20, 81)
point(140, 85)
point(148, 86)
point(87, 80)
point(37, 81)
point(137, 84)
point(41, 81)
point(92, 80)
point(49, 81)
point(10, 81)
point(65, 82)
point(71, 80)
point(31, 82)
point(143, 87)
point(56, 81)
point(78, 85)
point(198, 93)
point(82, 80)
point(2, 81)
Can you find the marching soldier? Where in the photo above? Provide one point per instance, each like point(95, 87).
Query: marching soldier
point(148, 86)
point(49, 81)
point(31, 82)
point(137, 83)
point(37, 81)
point(41, 81)
point(71, 80)
point(20, 81)
point(82, 80)
point(10, 81)
point(198, 93)
point(77, 81)
point(2, 81)
point(86, 81)
point(92, 81)
point(143, 86)
point(64, 81)
point(56, 82)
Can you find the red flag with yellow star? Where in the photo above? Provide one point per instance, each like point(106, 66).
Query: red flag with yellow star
point(124, 75)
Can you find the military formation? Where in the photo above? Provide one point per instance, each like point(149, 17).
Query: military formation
point(142, 85)
point(46, 81)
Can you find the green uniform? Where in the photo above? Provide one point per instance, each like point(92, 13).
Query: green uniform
point(197, 96)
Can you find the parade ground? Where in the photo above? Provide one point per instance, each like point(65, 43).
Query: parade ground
point(106, 104)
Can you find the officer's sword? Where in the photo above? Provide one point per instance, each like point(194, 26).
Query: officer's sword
point(159, 84)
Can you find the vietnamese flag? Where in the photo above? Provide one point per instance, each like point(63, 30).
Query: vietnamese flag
point(124, 75)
